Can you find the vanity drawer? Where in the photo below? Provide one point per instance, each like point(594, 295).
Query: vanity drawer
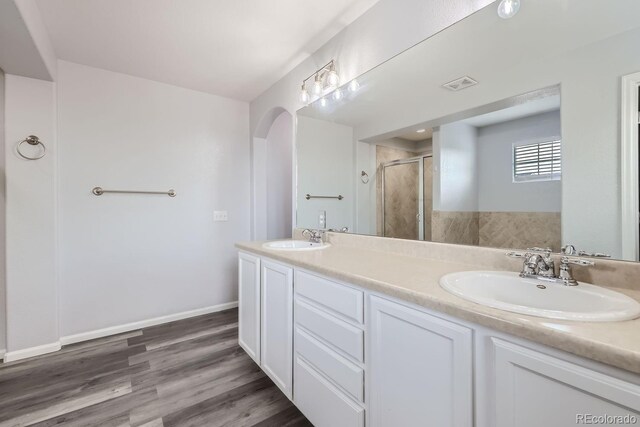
point(321, 402)
point(342, 372)
point(338, 333)
point(342, 299)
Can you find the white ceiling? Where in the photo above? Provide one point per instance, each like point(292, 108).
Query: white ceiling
point(417, 136)
point(232, 48)
point(530, 108)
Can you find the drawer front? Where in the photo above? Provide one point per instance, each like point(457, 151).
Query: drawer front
point(339, 333)
point(344, 373)
point(322, 403)
point(339, 298)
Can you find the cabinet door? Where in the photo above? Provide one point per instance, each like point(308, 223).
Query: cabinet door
point(534, 389)
point(420, 368)
point(249, 304)
point(277, 324)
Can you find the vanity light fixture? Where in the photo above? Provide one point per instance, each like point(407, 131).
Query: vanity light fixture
point(508, 8)
point(304, 95)
point(324, 78)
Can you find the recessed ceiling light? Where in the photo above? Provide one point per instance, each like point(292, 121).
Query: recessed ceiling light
point(421, 131)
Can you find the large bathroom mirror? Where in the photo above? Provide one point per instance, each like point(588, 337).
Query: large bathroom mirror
point(524, 135)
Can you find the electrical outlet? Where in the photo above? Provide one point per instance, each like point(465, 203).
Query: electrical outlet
point(219, 216)
point(322, 220)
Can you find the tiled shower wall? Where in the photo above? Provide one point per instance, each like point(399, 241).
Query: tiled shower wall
point(516, 230)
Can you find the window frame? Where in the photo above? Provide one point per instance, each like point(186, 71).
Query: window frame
point(557, 176)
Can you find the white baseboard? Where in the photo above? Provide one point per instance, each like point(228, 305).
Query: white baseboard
point(113, 330)
point(2, 353)
point(11, 356)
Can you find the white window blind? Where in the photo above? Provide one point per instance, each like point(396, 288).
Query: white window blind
point(537, 162)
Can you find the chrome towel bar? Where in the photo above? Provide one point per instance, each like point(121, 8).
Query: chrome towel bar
point(99, 191)
point(309, 196)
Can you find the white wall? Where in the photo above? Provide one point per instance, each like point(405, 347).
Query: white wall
point(325, 168)
point(126, 258)
point(496, 190)
point(386, 29)
point(279, 173)
point(455, 168)
point(32, 315)
point(3, 240)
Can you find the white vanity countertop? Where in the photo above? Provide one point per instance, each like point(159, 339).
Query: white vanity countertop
point(416, 280)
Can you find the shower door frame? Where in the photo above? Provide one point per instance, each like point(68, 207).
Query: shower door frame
point(420, 215)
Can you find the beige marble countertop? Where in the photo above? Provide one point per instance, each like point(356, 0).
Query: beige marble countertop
point(416, 280)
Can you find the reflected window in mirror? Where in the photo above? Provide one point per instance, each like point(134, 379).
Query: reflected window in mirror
point(540, 161)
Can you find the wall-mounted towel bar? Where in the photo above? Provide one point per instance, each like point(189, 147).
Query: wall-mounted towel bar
point(309, 196)
point(99, 191)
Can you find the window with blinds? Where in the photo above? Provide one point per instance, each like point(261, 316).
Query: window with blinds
point(537, 162)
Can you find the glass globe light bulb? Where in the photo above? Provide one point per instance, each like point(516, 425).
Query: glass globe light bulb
point(354, 85)
point(333, 79)
point(508, 8)
point(304, 95)
point(337, 94)
point(317, 86)
point(323, 102)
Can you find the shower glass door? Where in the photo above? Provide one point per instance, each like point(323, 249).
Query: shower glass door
point(402, 200)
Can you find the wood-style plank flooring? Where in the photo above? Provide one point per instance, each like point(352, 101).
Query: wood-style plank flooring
point(186, 373)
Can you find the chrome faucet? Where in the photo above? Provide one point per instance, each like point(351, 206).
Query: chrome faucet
point(315, 236)
point(342, 230)
point(539, 264)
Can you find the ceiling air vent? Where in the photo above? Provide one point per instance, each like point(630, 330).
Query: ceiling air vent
point(459, 84)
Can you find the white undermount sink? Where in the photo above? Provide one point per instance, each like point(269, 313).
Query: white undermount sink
point(295, 245)
point(508, 291)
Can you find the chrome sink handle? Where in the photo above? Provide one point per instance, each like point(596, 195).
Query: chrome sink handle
point(546, 251)
point(571, 250)
point(565, 274)
point(576, 261)
point(514, 254)
point(315, 236)
point(593, 254)
point(528, 268)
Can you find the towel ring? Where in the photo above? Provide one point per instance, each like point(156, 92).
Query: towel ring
point(32, 140)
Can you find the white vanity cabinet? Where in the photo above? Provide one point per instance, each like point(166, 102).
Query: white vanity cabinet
point(420, 368)
point(530, 389)
point(349, 357)
point(249, 304)
point(276, 347)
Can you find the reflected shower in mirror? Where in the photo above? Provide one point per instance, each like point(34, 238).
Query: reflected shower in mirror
point(491, 179)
